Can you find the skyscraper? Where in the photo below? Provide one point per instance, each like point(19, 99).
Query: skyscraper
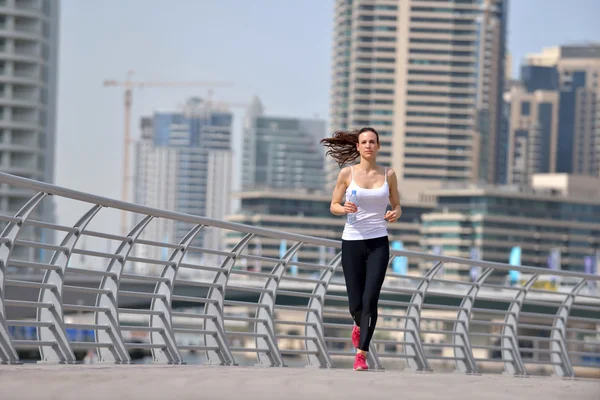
point(365, 46)
point(28, 88)
point(578, 68)
point(281, 152)
point(532, 132)
point(184, 164)
point(429, 78)
point(554, 122)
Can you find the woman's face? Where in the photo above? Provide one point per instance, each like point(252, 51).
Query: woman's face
point(367, 145)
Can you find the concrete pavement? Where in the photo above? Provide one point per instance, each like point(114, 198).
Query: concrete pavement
point(149, 382)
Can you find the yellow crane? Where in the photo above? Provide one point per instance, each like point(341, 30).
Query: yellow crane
point(129, 85)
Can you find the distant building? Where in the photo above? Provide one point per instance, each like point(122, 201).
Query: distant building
point(533, 133)
point(307, 213)
point(184, 164)
point(559, 212)
point(281, 152)
point(553, 118)
point(29, 68)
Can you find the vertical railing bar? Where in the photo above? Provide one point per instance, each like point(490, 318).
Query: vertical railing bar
point(170, 353)
point(558, 334)
point(117, 353)
point(216, 307)
point(465, 361)
point(8, 354)
point(314, 328)
point(513, 363)
point(417, 360)
point(267, 313)
point(61, 352)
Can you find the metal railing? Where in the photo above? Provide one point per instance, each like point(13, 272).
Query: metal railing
point(236, 305)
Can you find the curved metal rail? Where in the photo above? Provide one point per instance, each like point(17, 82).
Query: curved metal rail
point(250, 302)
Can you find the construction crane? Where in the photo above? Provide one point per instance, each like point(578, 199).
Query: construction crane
point(129, 85)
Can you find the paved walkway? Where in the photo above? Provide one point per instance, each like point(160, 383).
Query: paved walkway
point(149, 382)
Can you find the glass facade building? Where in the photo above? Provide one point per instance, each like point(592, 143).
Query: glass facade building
point(281, 153)
point(184, 164)
point(495, 220)
point(573, 73)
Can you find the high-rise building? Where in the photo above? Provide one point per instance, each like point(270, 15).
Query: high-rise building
point(579, 130)
point(554, 117)
point(365, 43)
point(28, 89)
point(429, 77)
point(184, 164)
point(281, 152)
point(532, 133)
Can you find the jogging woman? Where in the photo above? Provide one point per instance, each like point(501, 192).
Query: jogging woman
point(365, 244)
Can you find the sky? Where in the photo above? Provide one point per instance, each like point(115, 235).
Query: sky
point(278, 50)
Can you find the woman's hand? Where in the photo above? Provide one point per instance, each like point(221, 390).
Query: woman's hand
point(391, 216)
point(350, 207)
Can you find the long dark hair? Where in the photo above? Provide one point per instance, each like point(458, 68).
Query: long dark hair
point(342, 145)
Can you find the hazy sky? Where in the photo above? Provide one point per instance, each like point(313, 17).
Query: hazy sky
point(279, 50)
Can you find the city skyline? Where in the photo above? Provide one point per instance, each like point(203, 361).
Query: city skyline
point(285, 97)
point(232, 243)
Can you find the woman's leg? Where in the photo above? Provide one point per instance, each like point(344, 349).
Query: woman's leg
point(378, 254)
point(353, 265)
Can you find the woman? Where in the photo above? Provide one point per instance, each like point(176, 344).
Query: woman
point(365, 245)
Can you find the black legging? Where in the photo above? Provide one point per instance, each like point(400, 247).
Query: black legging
point(364, 263)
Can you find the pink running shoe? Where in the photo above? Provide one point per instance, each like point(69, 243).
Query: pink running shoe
point(360, 363)
point(355, 336)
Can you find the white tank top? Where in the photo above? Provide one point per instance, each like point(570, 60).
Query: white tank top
point(372, 205)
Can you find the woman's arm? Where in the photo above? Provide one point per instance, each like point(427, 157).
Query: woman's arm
point(339, 191)
point(396, 212)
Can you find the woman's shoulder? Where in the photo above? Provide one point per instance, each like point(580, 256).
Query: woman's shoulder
point(344, 177)
point(390, 176)
point(388, 171)
point(345, 172)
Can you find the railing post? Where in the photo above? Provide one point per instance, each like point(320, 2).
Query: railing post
point(314, 319)
point(61, 352)
point(169, 354)
point(267, 312)
point(559, 332)
point(513, 364)
point(465, 361)
point(215, 307)
point(8, 354)
point(412, 336)
point(117, 353)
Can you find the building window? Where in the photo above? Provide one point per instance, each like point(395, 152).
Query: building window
point(525, 108)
